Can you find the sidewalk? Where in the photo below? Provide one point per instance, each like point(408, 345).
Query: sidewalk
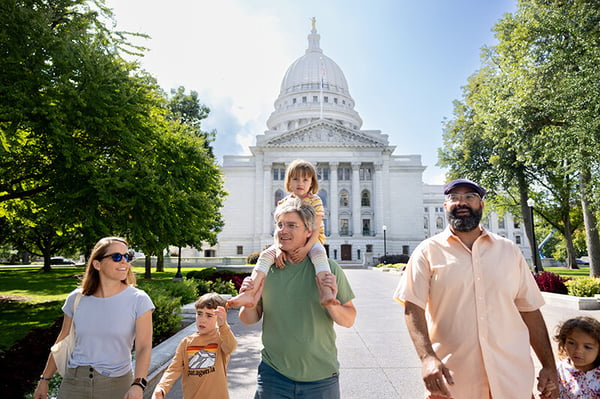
point(376, 355)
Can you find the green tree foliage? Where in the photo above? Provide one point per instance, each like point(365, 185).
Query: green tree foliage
point(88, 144)
point(528, 122)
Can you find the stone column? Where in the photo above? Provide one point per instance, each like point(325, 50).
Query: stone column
point(378, 200)
point(335, 200)
point(269, 199)
point(356, 222)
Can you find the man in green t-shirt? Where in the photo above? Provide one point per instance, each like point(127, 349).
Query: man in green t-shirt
point(299, 356)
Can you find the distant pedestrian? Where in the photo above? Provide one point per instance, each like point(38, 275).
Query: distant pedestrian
point(579, 349)
point(201, 358)
point(112, 317)
point(472, 309)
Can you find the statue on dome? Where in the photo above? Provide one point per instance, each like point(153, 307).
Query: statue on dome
point(313, 21)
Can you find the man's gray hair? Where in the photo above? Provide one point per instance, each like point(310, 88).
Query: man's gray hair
point(306, 212)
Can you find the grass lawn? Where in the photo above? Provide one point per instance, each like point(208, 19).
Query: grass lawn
point(564, 272)
point(30, 298)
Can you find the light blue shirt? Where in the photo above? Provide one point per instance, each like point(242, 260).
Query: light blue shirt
point(105, 329)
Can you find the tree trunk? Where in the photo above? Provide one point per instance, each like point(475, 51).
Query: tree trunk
point(160, 262)
point(571, 263)
point(591, 225)
point(148, 266)
point(527, 220)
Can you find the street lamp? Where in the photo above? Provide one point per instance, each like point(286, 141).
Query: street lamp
point(536, 256)
point(178, 275)
point(384, 227)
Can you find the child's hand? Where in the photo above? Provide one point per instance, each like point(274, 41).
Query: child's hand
point(158, 394)
point(299, 254)
point(221, 316)
point(280, 258)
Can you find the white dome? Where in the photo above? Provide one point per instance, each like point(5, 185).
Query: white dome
point(313, 87)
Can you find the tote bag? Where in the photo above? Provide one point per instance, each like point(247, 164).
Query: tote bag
point(61, 351)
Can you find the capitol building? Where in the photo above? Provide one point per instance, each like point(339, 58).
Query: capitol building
point(375, 200)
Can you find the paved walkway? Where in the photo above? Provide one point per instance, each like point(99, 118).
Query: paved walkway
point(376, 355)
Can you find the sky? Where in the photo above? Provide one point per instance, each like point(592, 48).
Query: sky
point(405, 61)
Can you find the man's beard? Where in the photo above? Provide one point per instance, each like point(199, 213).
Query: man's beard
point(465, 223)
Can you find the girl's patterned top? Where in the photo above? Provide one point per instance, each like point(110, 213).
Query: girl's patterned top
point(577, 384)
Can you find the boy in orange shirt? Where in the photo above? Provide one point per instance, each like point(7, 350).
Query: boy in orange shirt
point(201, 358)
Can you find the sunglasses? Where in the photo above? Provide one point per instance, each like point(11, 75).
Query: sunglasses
point(117, 257)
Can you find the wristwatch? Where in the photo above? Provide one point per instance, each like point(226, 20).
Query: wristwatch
point(140, 382)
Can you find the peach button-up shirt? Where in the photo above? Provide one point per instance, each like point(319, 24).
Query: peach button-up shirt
point(472, 300)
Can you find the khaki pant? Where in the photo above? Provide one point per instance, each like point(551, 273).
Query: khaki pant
point(86, 383)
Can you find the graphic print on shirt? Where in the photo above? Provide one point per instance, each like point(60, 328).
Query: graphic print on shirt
point(201, 359)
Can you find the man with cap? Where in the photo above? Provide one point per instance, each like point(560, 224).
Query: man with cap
point(472, 309)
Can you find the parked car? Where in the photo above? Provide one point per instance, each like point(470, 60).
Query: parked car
point(582, 262)
point(59, 260)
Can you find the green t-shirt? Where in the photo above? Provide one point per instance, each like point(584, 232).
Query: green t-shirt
point(298, 336)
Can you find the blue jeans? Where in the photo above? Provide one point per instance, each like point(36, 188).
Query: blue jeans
point(273, 385)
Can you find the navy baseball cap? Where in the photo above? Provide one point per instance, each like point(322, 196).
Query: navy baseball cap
point(464, 182)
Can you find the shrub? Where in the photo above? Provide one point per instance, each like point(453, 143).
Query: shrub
point(400, 266)
point(212, 274)
point(165, 318)
point(185, 290)
point(391, 259)
point(551, 282)
point(585, 286)
point(252, 258)
point(219, 286)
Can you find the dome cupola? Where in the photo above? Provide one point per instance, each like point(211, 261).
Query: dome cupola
point(314, 87)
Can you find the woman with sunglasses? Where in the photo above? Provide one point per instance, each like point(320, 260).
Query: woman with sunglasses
point(111, 316)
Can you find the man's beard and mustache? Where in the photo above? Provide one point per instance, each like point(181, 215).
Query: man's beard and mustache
point(464, 223)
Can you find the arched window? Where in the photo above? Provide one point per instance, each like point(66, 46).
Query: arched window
point(278, 196)
point(323, 195)
point(344, 198)
point(365, 198)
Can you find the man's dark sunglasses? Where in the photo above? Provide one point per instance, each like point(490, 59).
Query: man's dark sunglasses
point(117, 257)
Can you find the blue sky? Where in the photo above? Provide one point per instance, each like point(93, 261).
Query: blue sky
point(405, 61)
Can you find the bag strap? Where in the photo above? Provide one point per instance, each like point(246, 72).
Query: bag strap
point(75, 309)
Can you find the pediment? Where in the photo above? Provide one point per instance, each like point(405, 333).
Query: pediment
point(325, 134)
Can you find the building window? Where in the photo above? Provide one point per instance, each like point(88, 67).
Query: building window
point(278, 174)
point(518, 239)
point(344, 227)
point(209, 253)
point(426, 210)
point(365, 174)
point(278, 197)
point(501, 223)
point(335, 100)
point(294, 101)
point(344, 174)
point(365, 198)
point(315, 99)
point(344, 198)
point(405, 250)
point(517, 224)
point(326, 99)
point(323, 174)
point(369, 248)
point(439, 223)
point(304, 99)
point(240, 249)
point(425, 223)
point(366, 227)
point(323, 195)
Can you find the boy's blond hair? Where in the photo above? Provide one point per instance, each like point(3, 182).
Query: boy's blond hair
point(301, 168)
point(210, 301)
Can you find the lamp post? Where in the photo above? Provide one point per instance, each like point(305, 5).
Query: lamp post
point(178, 275)
point(536, 256)
point(384, 227)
